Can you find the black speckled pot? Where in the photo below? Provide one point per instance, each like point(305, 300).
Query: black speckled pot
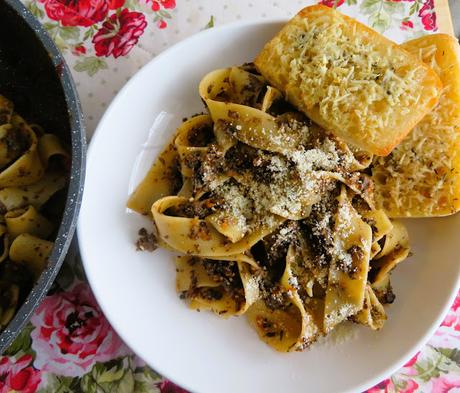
point(34, 75)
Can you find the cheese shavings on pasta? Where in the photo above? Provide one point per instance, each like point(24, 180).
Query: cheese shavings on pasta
point(273, 217)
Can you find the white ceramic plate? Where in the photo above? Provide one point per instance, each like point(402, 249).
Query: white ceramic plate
point(136, 290)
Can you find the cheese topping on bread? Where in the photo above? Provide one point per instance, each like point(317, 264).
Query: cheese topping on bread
point(349, 79)
point(421, 177)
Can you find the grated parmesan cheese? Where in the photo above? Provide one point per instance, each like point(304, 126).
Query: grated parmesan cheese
point(421, 177)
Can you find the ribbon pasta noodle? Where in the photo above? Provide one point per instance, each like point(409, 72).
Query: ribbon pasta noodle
point(32, 171)
point(272, 216)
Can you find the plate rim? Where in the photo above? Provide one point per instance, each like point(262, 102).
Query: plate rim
point(370, 382)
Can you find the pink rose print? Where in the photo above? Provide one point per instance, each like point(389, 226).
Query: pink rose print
point(407, 25)
point(169, 387)
point(71, 333)
point(18, 376)
point(448, 334)
point(119, 34)
point(445, 384)
point(385, 386)
point(332, 3)
point(428, 16)
point(76, 13)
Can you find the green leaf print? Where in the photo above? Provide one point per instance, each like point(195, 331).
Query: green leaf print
point(145, 380)
point(50, 26)
point(369, 7)
point(435, 362)
point(135, 5)
point(69, 33)
point(88, 33)
point(210, 24)
point(399, 383)
point(111, 375)
point(452, 354)
point(427, 370)
point(447, 364)
point(415, 7)
point(164, 14)
point(380, 20)
point(60, 384)
point(63, 36)
point(91, 65)
point(381, 12)
point(114, 376)
point(22, 343)
point(36, 10)
point(393, 7)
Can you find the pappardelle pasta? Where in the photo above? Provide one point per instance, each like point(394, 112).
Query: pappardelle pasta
point(33, 171)
point(273, 217)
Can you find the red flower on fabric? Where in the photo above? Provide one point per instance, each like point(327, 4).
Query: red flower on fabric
point(76, 12)
point(332, 3)
point(427, 6)
point(170, 4)
point(428, 16)
point(119, 34)
point(71, 334)
point(429, 21)
point(169, 387)
point(19, 375)
point(115, 4)
point(406, 25)
point(79, 50)
point(162, 24)
point(155, 6)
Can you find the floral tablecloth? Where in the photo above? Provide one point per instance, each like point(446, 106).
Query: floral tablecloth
point(69, 346)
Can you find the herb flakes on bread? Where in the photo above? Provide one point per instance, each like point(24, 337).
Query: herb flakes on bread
point(348, 78)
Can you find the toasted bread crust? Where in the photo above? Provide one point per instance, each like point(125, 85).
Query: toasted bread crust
point(397, 91)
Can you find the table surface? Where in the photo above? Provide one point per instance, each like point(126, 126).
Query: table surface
point(69, 346)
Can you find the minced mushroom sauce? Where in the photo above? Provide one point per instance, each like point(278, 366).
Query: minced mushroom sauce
point(315, 267)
